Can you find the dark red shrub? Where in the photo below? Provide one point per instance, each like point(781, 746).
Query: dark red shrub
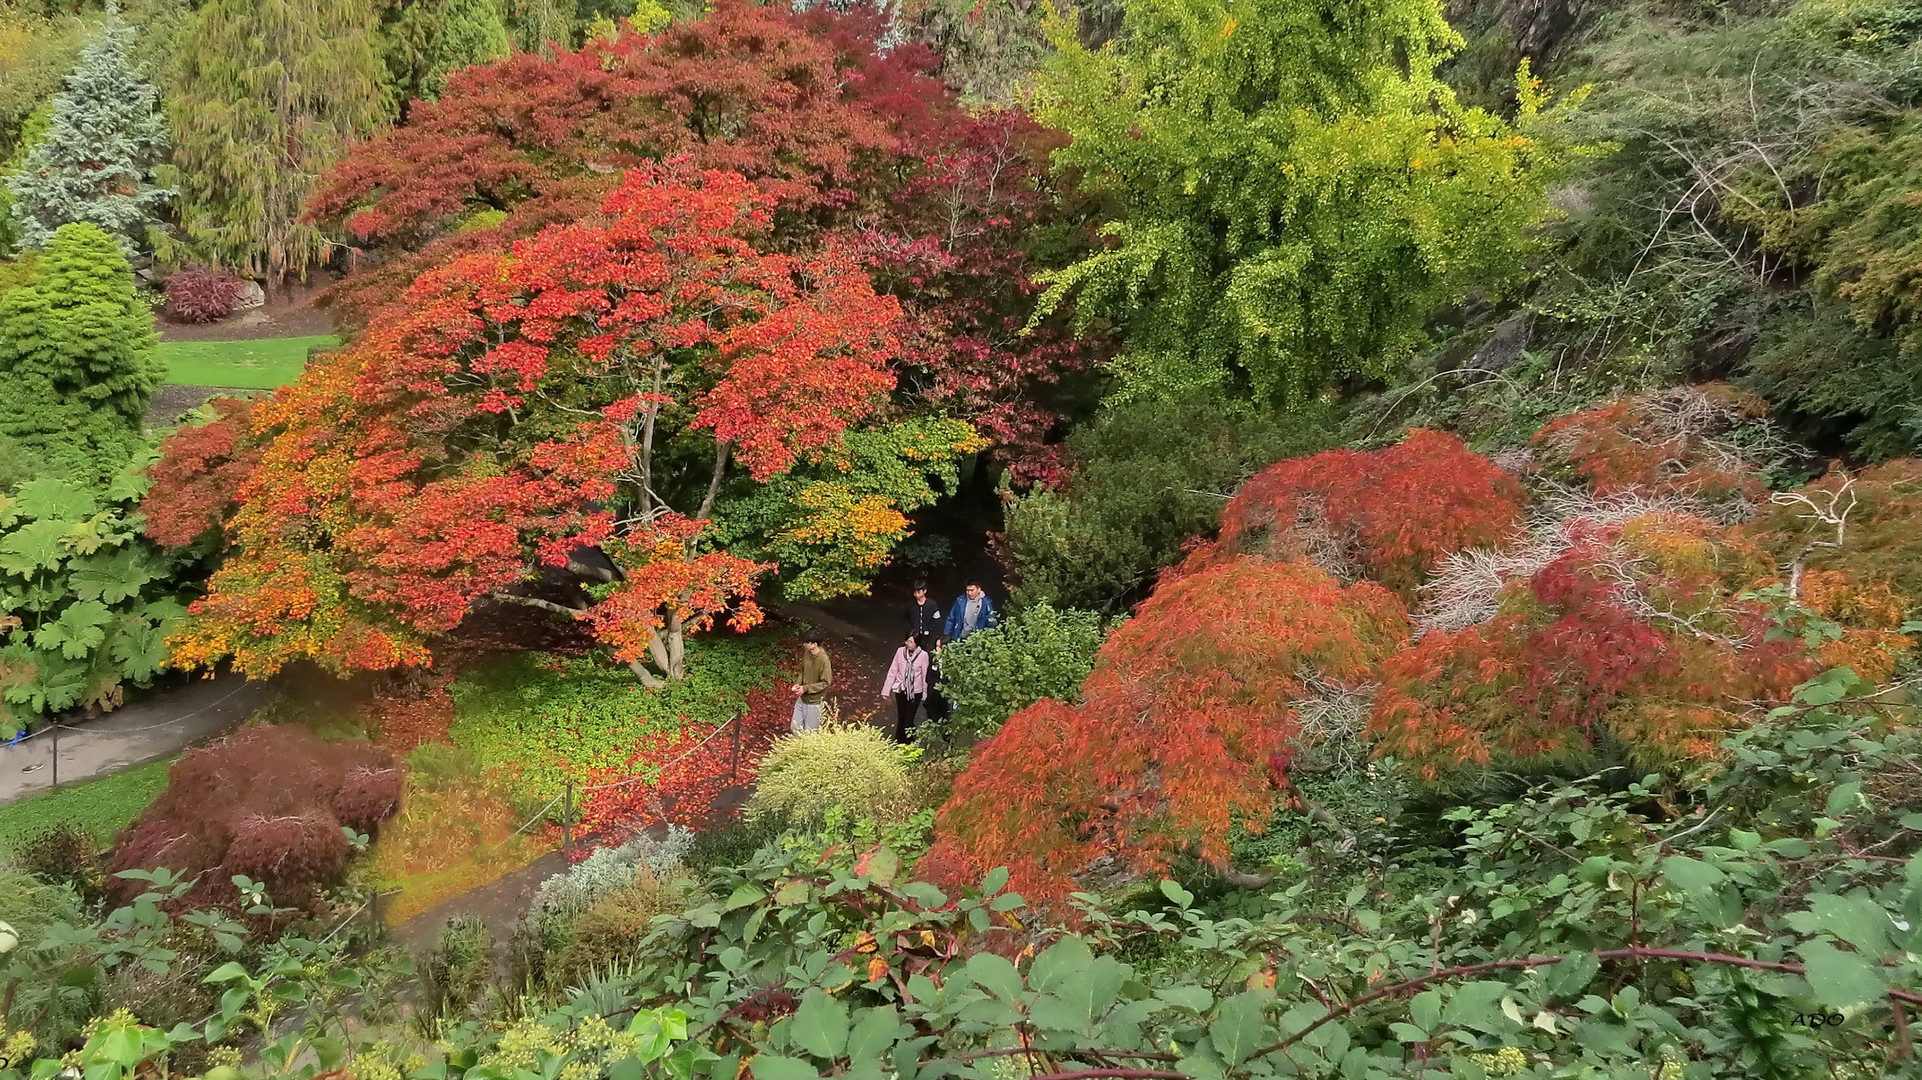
point(196, 482)
point(297, 847)
point(201, 294)
point(268, 802)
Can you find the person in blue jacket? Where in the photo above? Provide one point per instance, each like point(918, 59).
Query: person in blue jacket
point(973, 610)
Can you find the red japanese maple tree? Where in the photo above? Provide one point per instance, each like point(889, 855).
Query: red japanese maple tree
point(586, 391)
point(1189, 705)
point(858, 146)
point(1389, 514)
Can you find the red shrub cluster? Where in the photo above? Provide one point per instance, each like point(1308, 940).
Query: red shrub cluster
point(201, 294)
point(196, 482)
point(1660, 443)
point(700, 768)
point(1189, 703)
point(1646, 634)
point(267, 802)
point(1388, 514)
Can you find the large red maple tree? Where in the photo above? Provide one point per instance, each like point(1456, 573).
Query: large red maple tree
point(588, 390)
point(858, 146)
point(1184, 728)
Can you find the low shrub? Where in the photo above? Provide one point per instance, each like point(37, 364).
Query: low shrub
point(269, 802)
point(201, 294)
point(65, 852)
point(1036, 653)
point(855, 767)
point(459, 968)
point(734, 843)
point(602, 939)
point(573, 891)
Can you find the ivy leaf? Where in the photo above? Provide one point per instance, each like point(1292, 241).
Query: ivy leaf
point(820, 1025)
point(1840, 979)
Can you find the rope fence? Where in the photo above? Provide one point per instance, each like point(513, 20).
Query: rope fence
point(53, 728)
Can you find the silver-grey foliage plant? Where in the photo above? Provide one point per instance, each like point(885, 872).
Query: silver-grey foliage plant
point(96, 162)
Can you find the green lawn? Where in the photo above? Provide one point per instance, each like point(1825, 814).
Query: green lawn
point(261, 364)
point(105, 805)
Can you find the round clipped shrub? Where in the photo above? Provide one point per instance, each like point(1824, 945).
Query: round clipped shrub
point(857, 768)
point(201, 294)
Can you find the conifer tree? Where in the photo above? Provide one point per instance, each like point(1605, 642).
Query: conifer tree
point(424, 41)
point(76, 357)
point(95, 162)
point(1297, 191)
point(265, 95)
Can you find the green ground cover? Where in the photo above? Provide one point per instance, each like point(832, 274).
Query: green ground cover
point(547, 717)
point(260, 364)
point(104, 805)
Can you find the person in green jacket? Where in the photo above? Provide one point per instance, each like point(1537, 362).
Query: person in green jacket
point(817, 674)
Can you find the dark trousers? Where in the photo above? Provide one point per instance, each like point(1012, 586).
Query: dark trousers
point(905, 706)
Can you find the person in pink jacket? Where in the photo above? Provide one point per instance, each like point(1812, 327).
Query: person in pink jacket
point(907, 683)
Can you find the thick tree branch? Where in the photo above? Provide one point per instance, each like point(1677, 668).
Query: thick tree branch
point(721, 452)
point(536, 602)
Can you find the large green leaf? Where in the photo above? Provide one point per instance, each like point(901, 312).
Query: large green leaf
point(820, 1025)
point(1840, 979)
point(54, 500)
point(34, 547)
point(78, 631)
point(112, 577)
point(1239, 1027)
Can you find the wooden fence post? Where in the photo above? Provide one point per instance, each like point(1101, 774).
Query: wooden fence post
point(567, 824)
point(734, 759)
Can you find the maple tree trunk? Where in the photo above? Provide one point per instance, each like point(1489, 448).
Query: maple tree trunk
point(676, 647)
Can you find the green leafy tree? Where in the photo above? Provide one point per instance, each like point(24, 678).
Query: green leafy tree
point(76, 358)
point(1147, 476)
point(85, 600)
point(992, 674)
point(832, 523)
point(95, 161)
point(1296, 191)
point(264, 96)
point(424, 41)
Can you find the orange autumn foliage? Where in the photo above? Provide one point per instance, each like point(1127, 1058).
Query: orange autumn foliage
point(1184, 715)
point(1882, 542)
point(1660, 443)
point(491, 424)
point(1389, 514)
point(1647, 634)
